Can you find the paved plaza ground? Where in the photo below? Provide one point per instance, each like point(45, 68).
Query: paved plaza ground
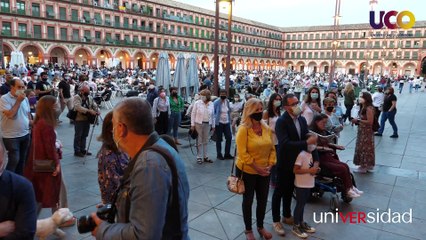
point(399, 183)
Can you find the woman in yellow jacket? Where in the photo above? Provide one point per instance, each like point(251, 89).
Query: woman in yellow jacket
point(255, 157)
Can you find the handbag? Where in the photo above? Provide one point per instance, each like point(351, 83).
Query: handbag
point(43, 165)
point(193, 133)
point(213, 137)
point(236, 184)
point(72, 114)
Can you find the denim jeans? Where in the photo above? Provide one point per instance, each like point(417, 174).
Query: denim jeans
point(17, 152)
point(302, 196)
point(254, 183)
point(174, 122)
point(391, 117)
point(401, 86)
point(81, 132)
point(223, 128)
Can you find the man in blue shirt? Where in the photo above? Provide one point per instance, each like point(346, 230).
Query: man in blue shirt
point(222, 114)
point(15, 124)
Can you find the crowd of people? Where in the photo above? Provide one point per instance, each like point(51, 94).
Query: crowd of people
point(278, 120)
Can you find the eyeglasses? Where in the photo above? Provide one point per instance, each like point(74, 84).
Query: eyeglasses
point(294, 104)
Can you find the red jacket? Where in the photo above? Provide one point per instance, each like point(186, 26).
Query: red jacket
point(46, 186)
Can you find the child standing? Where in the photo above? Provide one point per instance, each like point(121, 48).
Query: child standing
point(304, 171)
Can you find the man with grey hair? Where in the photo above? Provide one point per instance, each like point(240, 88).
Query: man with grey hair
point(152, 200)
point(15, 125)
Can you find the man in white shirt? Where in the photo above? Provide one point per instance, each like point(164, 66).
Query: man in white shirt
point(222, 115)
point(378, 98)
point(15, 123)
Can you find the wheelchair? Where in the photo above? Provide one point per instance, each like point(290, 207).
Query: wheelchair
point(326, 182)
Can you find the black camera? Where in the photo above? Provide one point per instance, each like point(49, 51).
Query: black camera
point(86, 224)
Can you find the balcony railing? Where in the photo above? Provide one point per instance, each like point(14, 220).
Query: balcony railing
point(144, 10)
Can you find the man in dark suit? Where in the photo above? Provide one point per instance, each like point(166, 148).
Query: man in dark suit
point(291, 130)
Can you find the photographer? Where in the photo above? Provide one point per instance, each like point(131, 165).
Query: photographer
point(146, 205)
point(87, 110)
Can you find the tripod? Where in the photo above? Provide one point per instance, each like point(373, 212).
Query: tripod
point(98, 117)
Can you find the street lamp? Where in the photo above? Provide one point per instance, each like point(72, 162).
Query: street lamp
point(372, 3)
point(335, 43)
point(223, 3)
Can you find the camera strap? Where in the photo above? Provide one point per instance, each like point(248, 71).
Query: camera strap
point(172, 226)
point(172, 223)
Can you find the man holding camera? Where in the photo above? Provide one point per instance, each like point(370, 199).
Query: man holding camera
point(87, 111)
point(152, 201)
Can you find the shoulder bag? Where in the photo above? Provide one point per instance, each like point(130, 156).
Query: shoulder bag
point(72, 114)
point(236, 184)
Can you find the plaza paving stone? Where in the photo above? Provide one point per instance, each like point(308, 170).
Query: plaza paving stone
point(399, 183)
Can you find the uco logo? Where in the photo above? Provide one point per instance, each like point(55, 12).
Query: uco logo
point(385, 19)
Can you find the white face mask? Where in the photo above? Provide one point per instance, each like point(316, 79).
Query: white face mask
point(312, 147)
point(204, 98)
point(113, 138)
point(20, 92)
point(297, 110)
point(277, 103)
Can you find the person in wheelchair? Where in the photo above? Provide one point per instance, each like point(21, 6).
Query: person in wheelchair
point(329, 160)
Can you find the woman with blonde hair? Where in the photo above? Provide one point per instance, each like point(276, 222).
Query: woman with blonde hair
point(202, 120)
point(349, 96)
point(255, 157)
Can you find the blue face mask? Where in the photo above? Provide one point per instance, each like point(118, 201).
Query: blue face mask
point(32, 100)
point(314, 96)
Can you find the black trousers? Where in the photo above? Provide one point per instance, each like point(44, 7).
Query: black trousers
point(162, 124)
point(348, 112)
point(254, 183)
point(377, 113)
point(82, 129)
point(223, 129)
point(283, 191)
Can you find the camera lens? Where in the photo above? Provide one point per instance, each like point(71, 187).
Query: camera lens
point(85, 224)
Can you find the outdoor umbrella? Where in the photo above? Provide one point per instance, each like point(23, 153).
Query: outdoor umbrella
point(163, 71)
point(192, 74)
point(180, 75)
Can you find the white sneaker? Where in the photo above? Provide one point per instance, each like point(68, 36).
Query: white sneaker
point(357, 191)
point(352, 194)
point(278, 227)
